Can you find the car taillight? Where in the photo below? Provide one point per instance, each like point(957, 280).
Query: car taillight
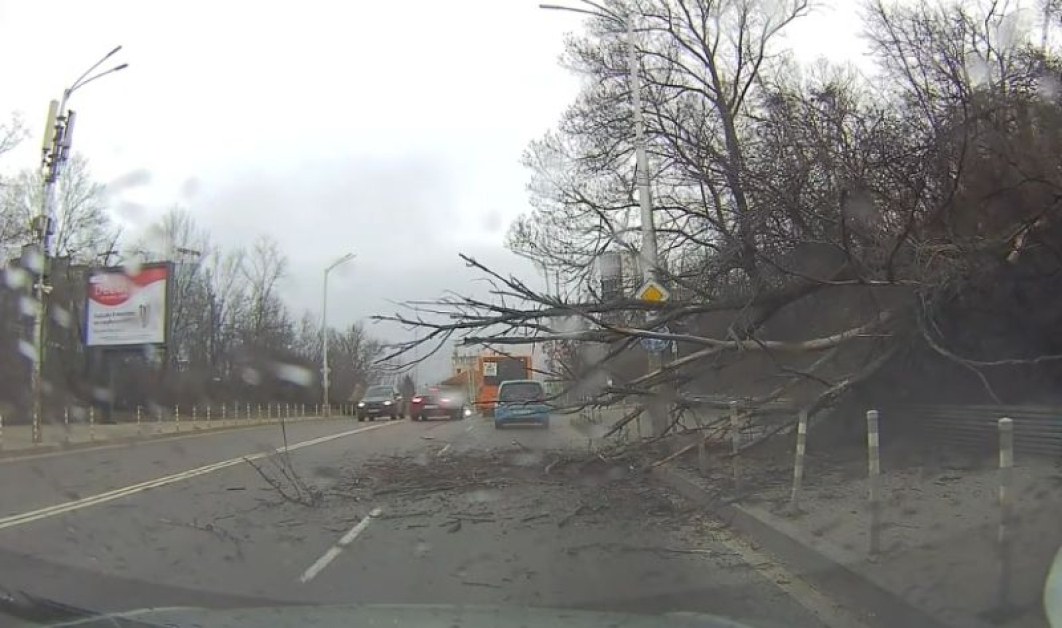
point(417, 399)
point(445, 400)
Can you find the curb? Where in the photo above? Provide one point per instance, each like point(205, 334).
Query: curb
point(125, 441)
point(837, 573)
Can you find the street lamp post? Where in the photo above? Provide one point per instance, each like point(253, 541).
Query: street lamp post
point(649, 252)
point(55, 150)
point(324, 334)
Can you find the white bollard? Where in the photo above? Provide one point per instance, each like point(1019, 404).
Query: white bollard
point(208, 416)
point(177, 417)
point(92, 423)
point(66, 424)
point(1006, 488)
point(874, 480)
point(139, 426)
point(195, 417)
point(798, 460)
point(735, 445)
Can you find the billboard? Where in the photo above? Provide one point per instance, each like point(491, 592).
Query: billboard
point(124, 307)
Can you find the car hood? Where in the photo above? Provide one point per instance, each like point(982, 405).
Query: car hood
point(412, 616)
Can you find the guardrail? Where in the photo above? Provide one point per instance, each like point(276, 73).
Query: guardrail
point(1037, 429)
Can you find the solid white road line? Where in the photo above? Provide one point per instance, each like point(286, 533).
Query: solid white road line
point(829, 612)
point(337, 549)
point(24, 455)
point(94, 500)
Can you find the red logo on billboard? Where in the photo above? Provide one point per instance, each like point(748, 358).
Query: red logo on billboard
point(115, 288)
point(110, 289)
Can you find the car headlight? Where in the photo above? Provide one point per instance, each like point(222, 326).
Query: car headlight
point(361, 404)
point(468, 412)
point(387, 403)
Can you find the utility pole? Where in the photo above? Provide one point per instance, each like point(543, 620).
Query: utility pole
point(55, 150)
point(650, 263)
point(324, 334)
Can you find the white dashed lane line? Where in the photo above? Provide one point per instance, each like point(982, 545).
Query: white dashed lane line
point(338, 548)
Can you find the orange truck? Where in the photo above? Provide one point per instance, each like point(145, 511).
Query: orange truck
point(491, 371)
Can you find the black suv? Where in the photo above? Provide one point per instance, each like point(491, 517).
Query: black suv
point(380, 401)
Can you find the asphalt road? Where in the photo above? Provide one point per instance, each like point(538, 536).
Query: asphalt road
point(190, 522)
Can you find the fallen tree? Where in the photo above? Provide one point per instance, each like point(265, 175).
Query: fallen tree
point(818, 237)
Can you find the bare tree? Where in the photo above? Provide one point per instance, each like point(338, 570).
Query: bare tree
point(268, 324)
point(83, 229)
point(819, 233)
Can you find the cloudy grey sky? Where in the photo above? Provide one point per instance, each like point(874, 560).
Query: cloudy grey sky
point(391, 129)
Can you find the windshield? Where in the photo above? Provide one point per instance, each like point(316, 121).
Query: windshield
point(746, 307)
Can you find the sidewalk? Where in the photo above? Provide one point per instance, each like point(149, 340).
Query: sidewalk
point(939, 558)
point(18, 439)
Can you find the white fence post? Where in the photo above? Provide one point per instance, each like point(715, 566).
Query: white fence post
point(735, 445)
point(1006, 488)
point(874, 480)
point(798, 460)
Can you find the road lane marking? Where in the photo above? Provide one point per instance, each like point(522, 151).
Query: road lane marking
point(101, 498)
point(24, 455)
point(337, 549)
point(829, 612)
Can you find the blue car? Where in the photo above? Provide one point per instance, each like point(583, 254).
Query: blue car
point(521, 401)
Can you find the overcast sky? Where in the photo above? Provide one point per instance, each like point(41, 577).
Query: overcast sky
point(390, 129)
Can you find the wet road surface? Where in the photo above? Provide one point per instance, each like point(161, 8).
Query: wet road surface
point(385, 512)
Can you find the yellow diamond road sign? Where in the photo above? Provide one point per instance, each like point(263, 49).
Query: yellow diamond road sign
point(653, 292)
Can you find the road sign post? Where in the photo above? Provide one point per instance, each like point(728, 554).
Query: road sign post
point(653, 291)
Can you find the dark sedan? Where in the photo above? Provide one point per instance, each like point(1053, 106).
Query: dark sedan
point(380, 401)
point(439, 403)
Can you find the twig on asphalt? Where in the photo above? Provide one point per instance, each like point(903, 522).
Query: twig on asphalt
point(473, 583)
point(567, 518)
point(541, 515)
point(403, 515)
point(473, 518)
point(298, 494)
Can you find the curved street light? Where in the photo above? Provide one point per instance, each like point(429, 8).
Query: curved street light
point(650, 255)
point(58, 135)
point(324, 333)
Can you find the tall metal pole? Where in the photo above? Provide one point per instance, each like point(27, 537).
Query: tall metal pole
point(324, 345)
point(58, 136)
point(657, 408)
point(649, 255)
point(650, 261)
point(325, 376)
